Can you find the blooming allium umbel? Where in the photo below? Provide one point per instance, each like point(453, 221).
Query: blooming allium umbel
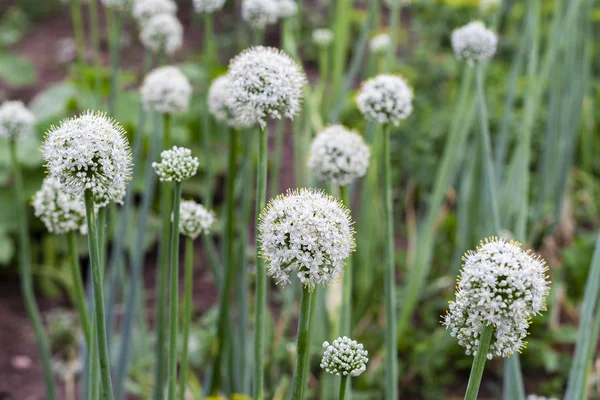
point(118, 4)
point(176, 165)
point(89, 152)
point(265, 82)
point(194, 219)
point(473, 42)
point(344, 357)
point(260, 13)
point(16, 121)
point(379, 43)
point(287, 8)
point(143, 10)
point(385, 99)
point(338, 155)
point(220, 103)
point(500, 285)
point(162, 32)
point(307, 233)
point(322, 37)
point(208, 6)
point(166, 90)
point(58, 210)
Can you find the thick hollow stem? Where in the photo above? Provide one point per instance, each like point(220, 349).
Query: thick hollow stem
point(76, 19)
point(346, 313)
point(479, 363)
point(187, 313)
point(302, 346)
point(209, 44)
point(115, 38)
point(78, 286)
point(343, 384)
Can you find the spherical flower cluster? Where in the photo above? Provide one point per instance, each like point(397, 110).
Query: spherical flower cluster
point(162, 32)
point(307, 233)
point(499, 285)
point(344, 357)
point(385, 99)
point(380, 43)
point(338, 155)
point(176, 165)
point(287, 8)
point(260, 13)
point(118, 4)
point(143, 10)
point(265, 82)
point(220, 103)
point(59, 211)
point(194, 219)
point(89, 152)
point(536, 397)
point(322, 37)
point(166, 90)
point(473, 42)
point(16, 121)
point(208, 6)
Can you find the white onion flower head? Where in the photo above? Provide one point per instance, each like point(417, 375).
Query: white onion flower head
point(344, 357)
point(58, 210)
point(487, 6)
point(162, 32)
point(208, 6)
point(385, 99)
point(338, 155)
point(379, 44)
point(536, 397)
point(176, 165)
point(16, 121)
point(166, 90)
point(260, 13)
point(287, 8)
point(143, 10)
point(194, 219)
point(501, 285)
point(322, 37)
point(473, 42)
point(265, 82)
point(220, 103)
point(116, 4)
point(307, 233)
point(89, 152)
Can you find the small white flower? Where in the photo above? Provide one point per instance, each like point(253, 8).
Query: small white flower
point(194, 219)
point(89, 152)
point(16, 121)
point(176, 165)
point(499, 285)
point(162, 32)
point(344, 357)
point(143, 10)
point(287, 8)
point(379, 44)
point(473, 42)
point(307, 233)
point(166, 90)
point(208, 6)
point(536, 397)
point(58, 210)
point(487, 6)
point(260, 13)
point(265, 82)
point(338, 155)
point(117, 4)
point(385, 99)
point(322, 37)
point(220, 103)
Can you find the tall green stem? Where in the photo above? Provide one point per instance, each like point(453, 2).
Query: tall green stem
point(261, 273)
point(209, 44)
point(341, 36)
point(302, 346)
point(115, 20)
point(394, 19)
point(187, 313)
point(76, 19)
point(391, 344)
point(174, 295)
point(343, 384)
point(98, 297)
point(78, 286)
point(25, 274)
point(95, 44)
point(479, 363)
point(346, 313)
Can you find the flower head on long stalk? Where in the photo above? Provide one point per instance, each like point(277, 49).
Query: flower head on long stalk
point(287, 8)
point(143, 10)
point(16, 121)
point(208, 6)
point(379, 44)
point(339, 155)
point(220, 104)
point(194, 219)
point(344, 357)
point(385, 99)
point(500, 285)
point(322, 37)
point(166, 90)
point(260, 13)
point(59, 211)
point(162, 32)
point(176, 165)
point(473, 42)
point(307, 233)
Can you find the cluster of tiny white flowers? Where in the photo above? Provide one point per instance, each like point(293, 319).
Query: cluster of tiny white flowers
point(473, 42)
point(260, 13)
point(162, 32)
point(344, 357)
point(307, 233)
point(322, 37)
point(385, 99)
point(166, 90)
point(489, 5)
point(208, 6)
point(287, 8)
point(89, 152)
point(143, 10)
point(338, 155)
point(16, 121)
point(265, 82)
point(118, 4)
point(194, 219)
point(501, 285)
point(58, 210)
point(536, 397)
point(220, 103)
point(176, 165)
point(379, 43)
